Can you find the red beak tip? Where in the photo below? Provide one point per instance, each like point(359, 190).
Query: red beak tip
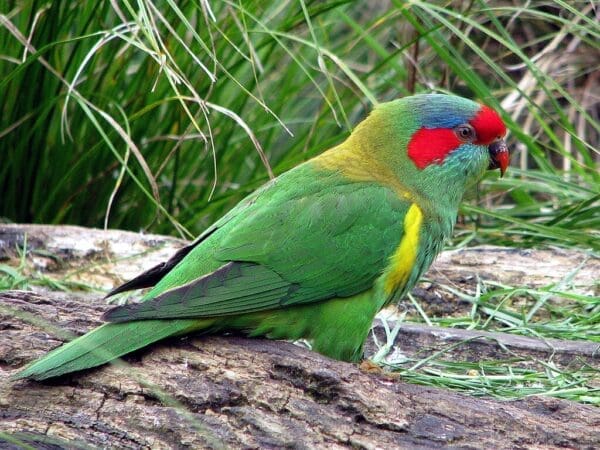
point(503, 160)
point(499, 156)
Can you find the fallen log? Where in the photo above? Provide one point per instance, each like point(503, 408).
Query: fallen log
point(224, 392)
point(231, 392)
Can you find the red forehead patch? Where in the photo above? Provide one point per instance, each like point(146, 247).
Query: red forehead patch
point(488, 126)
point(431, 146)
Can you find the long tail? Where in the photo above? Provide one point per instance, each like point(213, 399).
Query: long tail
point(104, 344)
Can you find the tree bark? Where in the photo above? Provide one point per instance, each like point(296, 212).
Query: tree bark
point(233, 392)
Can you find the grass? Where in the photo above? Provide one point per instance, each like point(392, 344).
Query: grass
point(177, 112)
point(510, 379)
point(542, 313)
point(505, 381)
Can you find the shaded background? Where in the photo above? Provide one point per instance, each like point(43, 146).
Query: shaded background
point(151, 116)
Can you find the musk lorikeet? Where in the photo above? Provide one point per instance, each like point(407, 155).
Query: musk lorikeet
point(318, 251)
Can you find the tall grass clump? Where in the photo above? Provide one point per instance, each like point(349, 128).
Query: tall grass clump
point(160, 116)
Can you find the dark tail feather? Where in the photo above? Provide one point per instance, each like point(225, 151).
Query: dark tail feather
point(152, 276)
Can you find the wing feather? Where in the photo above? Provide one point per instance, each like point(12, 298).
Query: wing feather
point(288, 249)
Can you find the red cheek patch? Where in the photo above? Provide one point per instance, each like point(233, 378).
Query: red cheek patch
point(431, 146)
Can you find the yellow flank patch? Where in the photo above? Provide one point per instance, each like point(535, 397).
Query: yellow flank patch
point(403, 259)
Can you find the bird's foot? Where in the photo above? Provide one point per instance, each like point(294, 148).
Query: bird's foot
point(373, 368)
point(369, 366)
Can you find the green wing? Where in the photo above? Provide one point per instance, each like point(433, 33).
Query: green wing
point(291, 243)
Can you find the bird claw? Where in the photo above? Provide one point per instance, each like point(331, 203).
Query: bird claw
point(369, 366)
point(372, 368)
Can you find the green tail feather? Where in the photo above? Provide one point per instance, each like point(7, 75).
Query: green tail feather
point(104, 344)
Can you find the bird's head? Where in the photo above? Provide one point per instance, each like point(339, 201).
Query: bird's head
point(454, 133)
point(434, 144)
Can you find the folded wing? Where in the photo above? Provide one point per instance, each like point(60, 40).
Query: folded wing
point(288, 250)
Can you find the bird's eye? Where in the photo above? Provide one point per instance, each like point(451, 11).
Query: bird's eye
point(465, 133)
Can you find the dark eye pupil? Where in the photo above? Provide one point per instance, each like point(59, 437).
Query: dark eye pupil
point(465, 132)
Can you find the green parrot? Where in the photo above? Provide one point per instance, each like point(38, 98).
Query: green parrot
point(315, 253)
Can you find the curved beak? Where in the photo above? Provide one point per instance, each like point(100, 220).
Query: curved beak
point(499, 156)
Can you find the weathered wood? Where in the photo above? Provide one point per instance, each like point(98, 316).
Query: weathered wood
point(99, 258)
point(416, 340)
point(225, 392)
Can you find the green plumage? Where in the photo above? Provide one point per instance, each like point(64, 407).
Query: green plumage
point(309, 255)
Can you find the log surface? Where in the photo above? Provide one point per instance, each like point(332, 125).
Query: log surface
point(233, 392)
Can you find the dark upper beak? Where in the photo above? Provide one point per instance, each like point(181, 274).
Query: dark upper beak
point(499, 156)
